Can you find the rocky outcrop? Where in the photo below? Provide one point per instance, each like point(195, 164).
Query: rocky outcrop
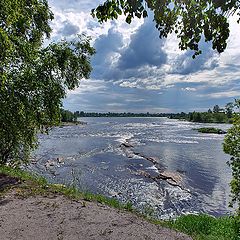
point(172, 178)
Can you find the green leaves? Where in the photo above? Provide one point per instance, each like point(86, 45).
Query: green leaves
point(33, 79)
point(112, 8)
point(190, 20)
point(231, 146)
point(145, 14)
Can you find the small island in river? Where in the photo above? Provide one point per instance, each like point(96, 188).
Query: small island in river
point(210, 130)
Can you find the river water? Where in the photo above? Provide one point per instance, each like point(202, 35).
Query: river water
point(161, 166)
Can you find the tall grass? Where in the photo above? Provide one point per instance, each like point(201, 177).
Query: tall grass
point(205, 227)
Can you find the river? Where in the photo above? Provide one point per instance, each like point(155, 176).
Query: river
point(161, 166)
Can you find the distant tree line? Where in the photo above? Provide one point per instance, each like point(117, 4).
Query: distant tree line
point(124, 114)
point(215, 115)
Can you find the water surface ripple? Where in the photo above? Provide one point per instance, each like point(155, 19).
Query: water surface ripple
point(160, 165)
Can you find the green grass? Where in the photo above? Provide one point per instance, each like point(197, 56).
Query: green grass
point(24, 176)
point(205, 227)
point(200, 227)
point(32, 184)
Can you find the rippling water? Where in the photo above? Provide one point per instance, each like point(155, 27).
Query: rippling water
point(129, 159)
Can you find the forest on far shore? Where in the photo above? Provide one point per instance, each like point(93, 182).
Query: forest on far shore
point(215, 115)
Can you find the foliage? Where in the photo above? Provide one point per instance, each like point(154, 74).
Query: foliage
point(33, 79)
point(205, 227)
point(216, 109)
point(216, 115)
point(190, 20)
point(231, 146)
point(229, 109)
point(67, 116)
point(206, 117)
point(211, 130)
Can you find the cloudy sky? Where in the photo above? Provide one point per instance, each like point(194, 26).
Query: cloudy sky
point(135, 71)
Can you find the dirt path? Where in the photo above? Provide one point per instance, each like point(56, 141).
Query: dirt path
point(56, 217)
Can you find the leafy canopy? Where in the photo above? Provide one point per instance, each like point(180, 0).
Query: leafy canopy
point(232, 146)
point(33, 79)
point(189, 19)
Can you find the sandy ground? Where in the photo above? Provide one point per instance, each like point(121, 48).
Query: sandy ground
point(56, 217)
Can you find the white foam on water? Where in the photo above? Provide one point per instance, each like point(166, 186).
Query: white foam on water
point(153, 168)
point(172, 141)
point(205, 137)
point(123, 137)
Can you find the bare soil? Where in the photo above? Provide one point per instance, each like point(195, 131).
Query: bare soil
point(57, 217)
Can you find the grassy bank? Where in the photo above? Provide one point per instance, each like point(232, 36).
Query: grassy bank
point(205, 227)
point(30, 184)
point(200, 227)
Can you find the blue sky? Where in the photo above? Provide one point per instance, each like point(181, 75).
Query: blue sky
point(135, 71)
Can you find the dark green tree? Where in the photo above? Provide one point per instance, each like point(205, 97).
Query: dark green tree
point(33, 79)
point(232, 146)
point(190, 19)
point(67, 116)
point(190, 116)
point(81, 114)
point(196, 117)
point(229, 109)
point(216, 109)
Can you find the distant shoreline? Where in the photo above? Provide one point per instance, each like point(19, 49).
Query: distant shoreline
point(179, 119)
point(211, 116)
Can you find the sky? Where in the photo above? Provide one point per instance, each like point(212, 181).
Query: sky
point(136, 71)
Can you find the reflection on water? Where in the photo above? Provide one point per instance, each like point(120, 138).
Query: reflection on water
point(155, 163)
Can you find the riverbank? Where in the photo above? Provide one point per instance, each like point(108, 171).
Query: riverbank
point(73, 123)
point(161, 166)
point(32, 208)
